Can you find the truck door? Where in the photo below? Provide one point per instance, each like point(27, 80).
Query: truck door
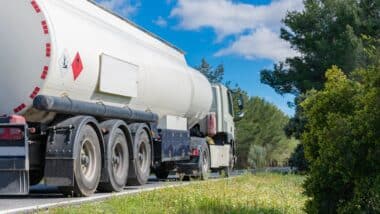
point(228, 114)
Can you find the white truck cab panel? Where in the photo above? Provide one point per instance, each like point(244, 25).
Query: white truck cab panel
point(220, 155)
point(222, 105)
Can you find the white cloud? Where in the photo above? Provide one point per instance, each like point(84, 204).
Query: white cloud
point(160, 22)
point(260, 44)
point(227, 17)
point(125, 7)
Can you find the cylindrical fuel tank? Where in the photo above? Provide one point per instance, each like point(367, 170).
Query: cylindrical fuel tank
point(76, 49)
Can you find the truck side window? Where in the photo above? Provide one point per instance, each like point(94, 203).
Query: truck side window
point(214, 108)
point(230, 105)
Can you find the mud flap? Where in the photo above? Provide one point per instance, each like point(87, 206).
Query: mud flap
point(15, 182)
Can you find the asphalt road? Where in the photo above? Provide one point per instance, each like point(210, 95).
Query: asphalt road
point(42, 197)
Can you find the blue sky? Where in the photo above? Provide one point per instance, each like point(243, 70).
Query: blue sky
point(243, 35)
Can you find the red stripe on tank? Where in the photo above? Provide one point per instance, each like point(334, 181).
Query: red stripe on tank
point(35, 6)
point(48, 49)
point(19, 108)
point(35, 93)
point(44, 72)
point(45, 27)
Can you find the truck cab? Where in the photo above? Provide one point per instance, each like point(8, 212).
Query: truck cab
point(213, 141)
point(222, 105)
point(223, 147)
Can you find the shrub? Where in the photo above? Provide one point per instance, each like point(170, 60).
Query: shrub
point(342, 143)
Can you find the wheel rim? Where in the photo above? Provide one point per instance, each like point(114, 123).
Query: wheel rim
point(117, 159)
point(87, 158)
point(143, 154)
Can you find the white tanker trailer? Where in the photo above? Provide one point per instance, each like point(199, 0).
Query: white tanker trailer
point(92, 101)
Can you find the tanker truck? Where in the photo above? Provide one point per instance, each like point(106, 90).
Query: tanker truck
point(92, 102)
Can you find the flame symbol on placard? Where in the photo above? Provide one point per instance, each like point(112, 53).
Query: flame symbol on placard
point(65, 63)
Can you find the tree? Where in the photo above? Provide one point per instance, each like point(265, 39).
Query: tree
point(213, 75)
point(261, 139)
point(342, 143)
point(326, 33)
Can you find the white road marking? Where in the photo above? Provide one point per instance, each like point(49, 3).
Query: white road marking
point(95, 198)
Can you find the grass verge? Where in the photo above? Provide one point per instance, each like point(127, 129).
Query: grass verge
point(261, 193)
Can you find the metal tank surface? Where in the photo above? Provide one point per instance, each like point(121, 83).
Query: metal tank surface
point(75, 49)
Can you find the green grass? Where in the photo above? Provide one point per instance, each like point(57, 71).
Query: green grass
point(262, 193)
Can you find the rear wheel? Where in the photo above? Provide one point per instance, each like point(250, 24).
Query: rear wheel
point(117, 162)
point(139, 168)
point(87, 164)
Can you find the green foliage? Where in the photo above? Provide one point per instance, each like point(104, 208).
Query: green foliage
point(342, 143)
point(260, 134)
point(298, 160)
point(326, 33)
point(213, 75)
point(297, 123)
point(262, 193)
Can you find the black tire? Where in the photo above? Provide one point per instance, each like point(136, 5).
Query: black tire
point(139, 167)
point(204, 162)
point(161, 173)
point(117, 163)
point(87, 164)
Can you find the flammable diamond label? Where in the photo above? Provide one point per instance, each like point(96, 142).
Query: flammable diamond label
point(77, 66)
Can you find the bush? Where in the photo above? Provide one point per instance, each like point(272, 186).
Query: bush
point(342, 143)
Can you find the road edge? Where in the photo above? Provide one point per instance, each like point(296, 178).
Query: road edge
point(103, 197)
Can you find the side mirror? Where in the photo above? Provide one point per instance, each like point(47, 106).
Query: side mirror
point(241, 102)
point(241, 113)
